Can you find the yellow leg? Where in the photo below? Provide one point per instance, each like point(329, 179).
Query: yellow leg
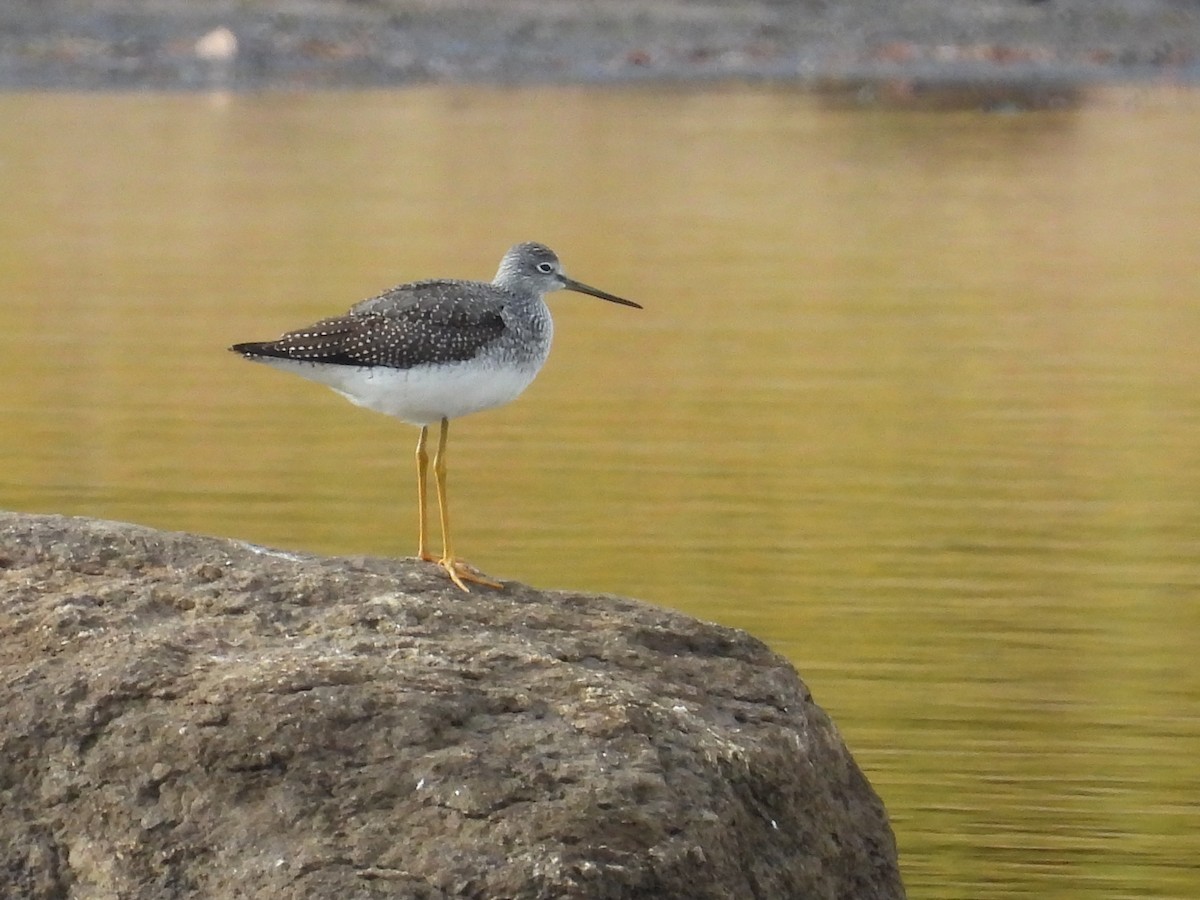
point(423, 497)
point(458, 570)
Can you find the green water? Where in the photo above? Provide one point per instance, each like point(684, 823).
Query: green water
point(915, 397)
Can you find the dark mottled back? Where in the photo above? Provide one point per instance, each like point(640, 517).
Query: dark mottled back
point(426, 322)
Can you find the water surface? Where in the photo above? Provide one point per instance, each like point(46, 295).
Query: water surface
point(915, 397)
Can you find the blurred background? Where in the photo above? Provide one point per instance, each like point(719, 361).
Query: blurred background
point(915, 398)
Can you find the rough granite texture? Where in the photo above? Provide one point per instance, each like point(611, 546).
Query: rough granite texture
point(324, 43)
point(187, 716)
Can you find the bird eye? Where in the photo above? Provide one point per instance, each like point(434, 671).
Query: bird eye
point(545, 268)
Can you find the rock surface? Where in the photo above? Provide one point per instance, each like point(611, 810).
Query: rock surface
point(186, 716)
point(306, 43)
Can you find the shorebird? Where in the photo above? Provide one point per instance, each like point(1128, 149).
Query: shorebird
point(431, 351)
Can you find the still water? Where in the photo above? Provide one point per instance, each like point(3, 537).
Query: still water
point(915, 397)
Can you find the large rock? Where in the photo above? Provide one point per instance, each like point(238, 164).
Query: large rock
point(185, 716)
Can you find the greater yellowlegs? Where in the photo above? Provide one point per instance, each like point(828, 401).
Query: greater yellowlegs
point(432, 351)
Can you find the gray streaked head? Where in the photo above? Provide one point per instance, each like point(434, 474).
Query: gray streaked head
point(532, 268)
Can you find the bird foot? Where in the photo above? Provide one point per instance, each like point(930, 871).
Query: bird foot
point(461, 572)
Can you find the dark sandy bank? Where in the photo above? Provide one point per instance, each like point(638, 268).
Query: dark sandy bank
point(177, 44)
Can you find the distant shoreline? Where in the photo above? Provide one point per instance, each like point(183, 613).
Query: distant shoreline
point(904, 45)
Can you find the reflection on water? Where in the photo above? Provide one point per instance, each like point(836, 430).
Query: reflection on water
point(915, 397)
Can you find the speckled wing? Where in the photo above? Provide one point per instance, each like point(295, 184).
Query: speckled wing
point(427, 322)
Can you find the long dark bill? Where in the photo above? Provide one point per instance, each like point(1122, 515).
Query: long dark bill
point(581, 288)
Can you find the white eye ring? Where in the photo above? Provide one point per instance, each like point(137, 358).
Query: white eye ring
point(545, 268)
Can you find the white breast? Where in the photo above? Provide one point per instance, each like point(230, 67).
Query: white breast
point(421, 395)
